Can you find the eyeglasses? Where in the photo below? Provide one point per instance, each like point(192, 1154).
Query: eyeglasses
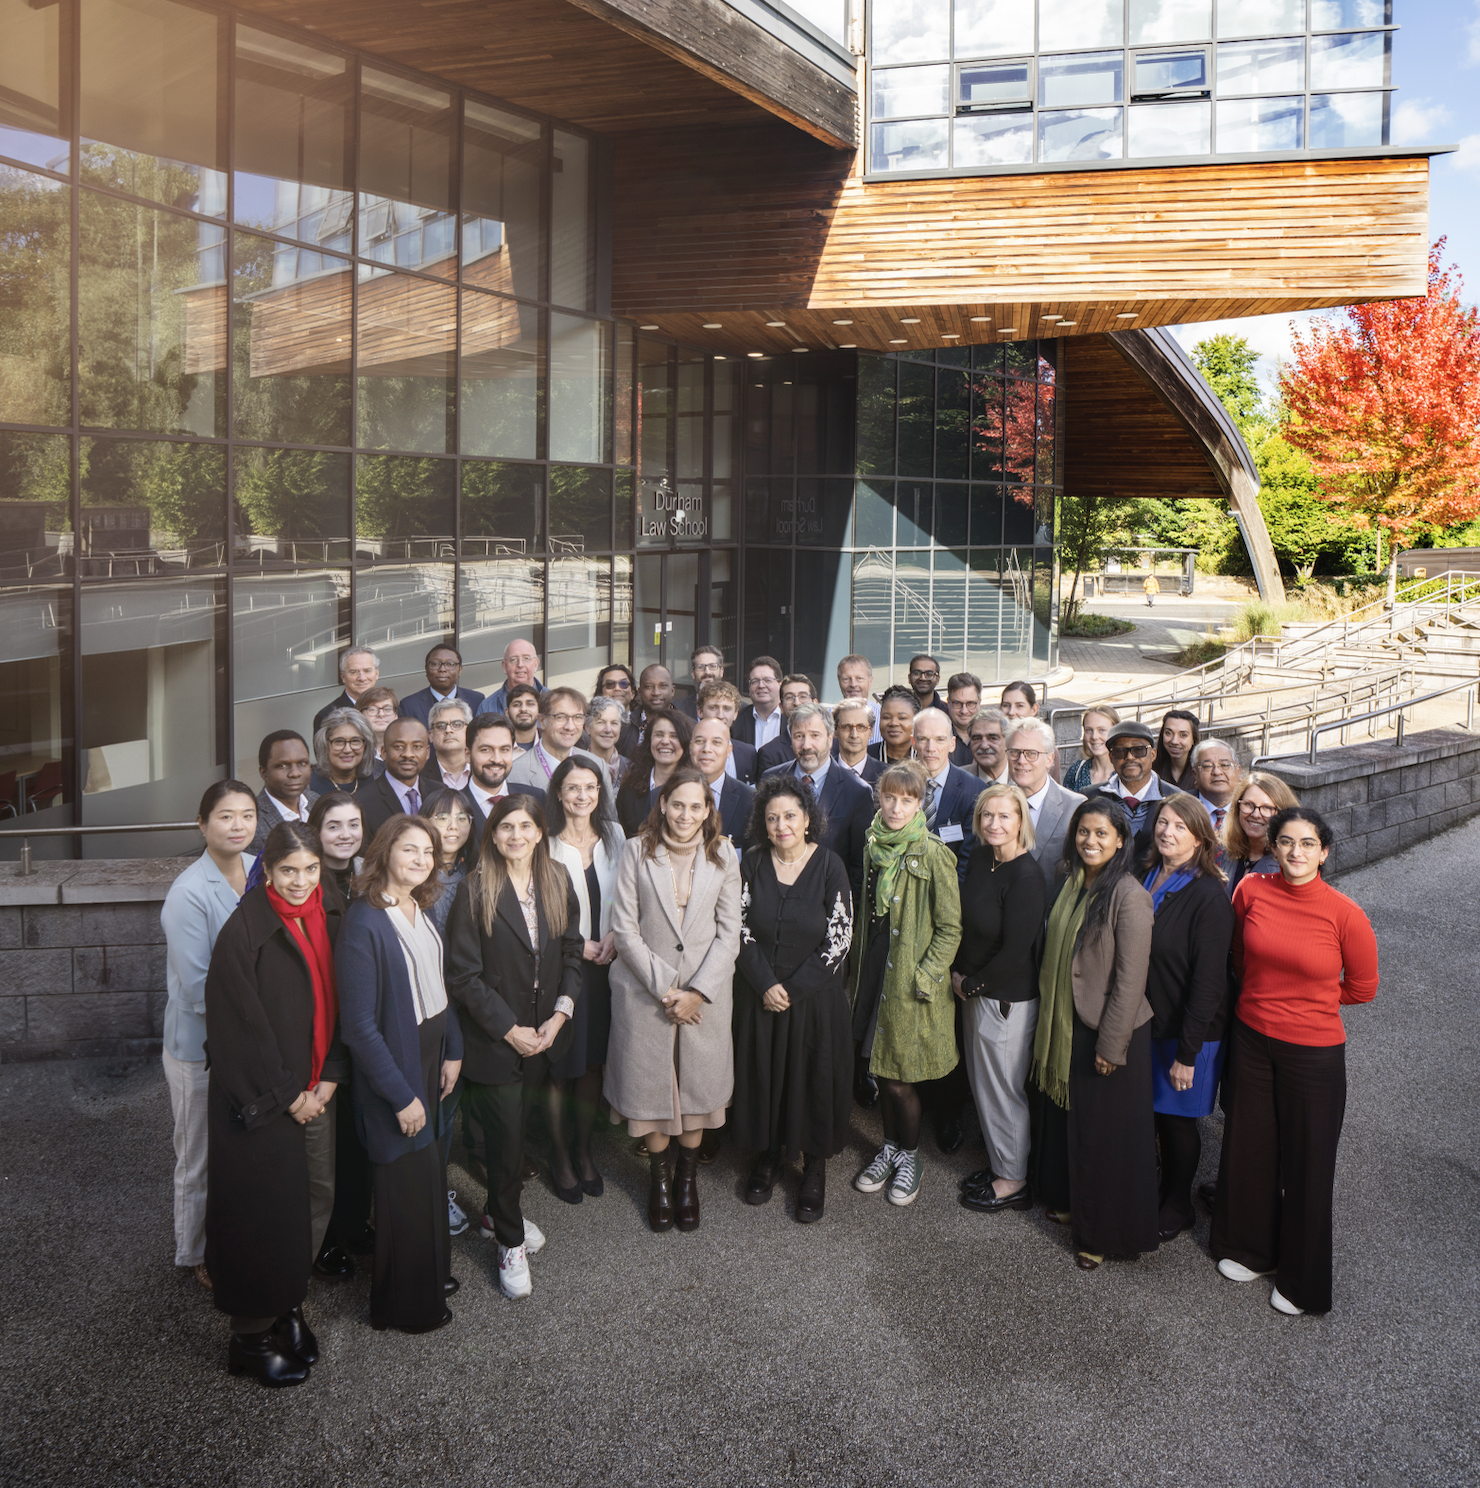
point(1254, 810)
point(355, 744)
point(443, 819)
point(922, 673)
point(1130, 751)
point(448, 728)
point(379, 710)
point(616, 684)
point(567, 718)
point(1215, 767)
point(1025, 756)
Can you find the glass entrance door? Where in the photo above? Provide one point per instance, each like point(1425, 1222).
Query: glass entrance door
point(667, 610)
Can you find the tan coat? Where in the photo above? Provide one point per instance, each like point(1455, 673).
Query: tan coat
point(1110, 971)
point(655, 952)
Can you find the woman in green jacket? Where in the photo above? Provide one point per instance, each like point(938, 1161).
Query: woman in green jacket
point(904, 1015)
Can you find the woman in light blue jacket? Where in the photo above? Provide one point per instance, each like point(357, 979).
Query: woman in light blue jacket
point(198, 904)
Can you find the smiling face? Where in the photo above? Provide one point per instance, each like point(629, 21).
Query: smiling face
point(1028, 759)
point(1131, 758)
point(924, 676)
point(663, 741)
point(1255, 812)
point(580, 794)
point(897, 807)
point(812, 744)
point(346, 750)
point(963, 703)
point(988, 747)
point(296, 876)
point(342, 832)
point(655, 687)
point(710, 748)
point(516, 837)
point(524, 711)
point(896, 719)
point(1096, 841)
point(854, 732)
point(492, 757)
point(1016, 705)
point(1175, 840)
point(854, 679)
point(707, 666)
point(998, 824)
point(604, 725)
point(453, 826)
point(521, 662)
point(412, 860)
point(1217, 774)
point(1299, 853)
point(449, 732)
point(685, 810)
point(1176, 738)
point(359, 673)
point(764, 687)
point(723, 708)
point(231, 825)
point(564, 724)
point(616, 684)
point(793, 695)
point(1096, 727)
point(379, 716)
point(786, 823)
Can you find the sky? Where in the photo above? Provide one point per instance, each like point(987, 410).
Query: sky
point(1436, 66)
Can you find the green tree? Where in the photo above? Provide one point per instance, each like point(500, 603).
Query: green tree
point(1227, 364)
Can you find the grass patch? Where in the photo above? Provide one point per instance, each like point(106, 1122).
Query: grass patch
point(1209, 648)
point(1096, 625)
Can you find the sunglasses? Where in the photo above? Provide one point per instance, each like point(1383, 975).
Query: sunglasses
point(1130, 751)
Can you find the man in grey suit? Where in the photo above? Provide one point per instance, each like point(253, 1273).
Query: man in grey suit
point(562, 722)
point(283, 763)
point(1031, 751)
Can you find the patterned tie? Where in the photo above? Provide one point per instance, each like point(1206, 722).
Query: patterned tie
point(933, 790)
point(1132, 801)
point(1219, 812)
point(413, 802)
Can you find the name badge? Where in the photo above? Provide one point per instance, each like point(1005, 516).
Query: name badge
point(951, 833)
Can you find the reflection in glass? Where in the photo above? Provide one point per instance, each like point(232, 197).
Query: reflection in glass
point(951, 512)
point(581, 389)
point(1261, 66)
point(1018, 512)
point(993, 140)
point(626, 505)
point(501, 371)
point(656, 404)
point(1170, 20)
point(500, 600)
point(829, 16)
point(917, 625)
point(36, 640)
point(823, 509)
point(502, 509)
point(405, 348)
point(35, 508)
point(915, 504)
point(722, 450)
point(290, 334)
point(910, 30)
point(1355, 60)
point(1347, 121)
point(1045, 619)
point(689, 441)
point(1080, 134)
point(572, 237)
point(1077, 23)
point(580, 509)
point(1248, 124)
point(916, 419)
point(622, 605)
point(1176, 73)
point(578, 620)
point(902, 92)
point(994, 82)
point(764, 500)
point(403, 509)
point(873, 610)
point(986, 427)
point(294, 139)
point(918, 146)
point(622, 393)
point(33, 84)
point(986, 514)
point(1020, 358)
point(502, 233)
point(876, 415)
point(401, 612)
point(1169, 129)
point(822, 620)
point(952, 425)
point(993, 28)
point(948, 602)
point(35, 355)
point(290, 507)
point(1098, 77)
point(151, 115)
point(1332, 15)
point(406, 154)
point(1046, 472)
point(768, 606)
point(152, 319)
point(874, 519)
point(1260, 17)
point(150, 507)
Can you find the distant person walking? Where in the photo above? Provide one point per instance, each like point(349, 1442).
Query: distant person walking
point(1152, 589)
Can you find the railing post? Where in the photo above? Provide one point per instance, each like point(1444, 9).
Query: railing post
point(1402, 714)
point(25, 870)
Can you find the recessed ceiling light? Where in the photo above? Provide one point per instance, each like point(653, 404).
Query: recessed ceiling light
point(847, 346)
point(801, 348)
point(1050, 317)
point(981, 320)
point(899, 341)
point(647, 328)
point(842, 322)
point(775, 322)
point(950, 335)
point(760, 384)
point(1065, 324)
point(755, 353)
point(1128, 315)
point(1007, 331)
point(787, 383)
point(909, 320)
point(713, 325)
point(721, 359)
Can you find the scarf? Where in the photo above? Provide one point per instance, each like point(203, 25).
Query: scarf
point(1178, 878)
point(1054, 1040)
point(310, 931)
point(885, 851)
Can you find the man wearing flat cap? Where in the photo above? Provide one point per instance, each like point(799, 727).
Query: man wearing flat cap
point(1132, 748)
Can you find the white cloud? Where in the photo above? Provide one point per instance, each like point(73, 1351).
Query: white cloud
point(1467, 157)
point(1416, 119)
point(1269, 335)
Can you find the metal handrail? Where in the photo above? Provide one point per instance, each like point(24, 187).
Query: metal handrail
point(26, 870)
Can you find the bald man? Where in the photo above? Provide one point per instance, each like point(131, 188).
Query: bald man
point(521, 662)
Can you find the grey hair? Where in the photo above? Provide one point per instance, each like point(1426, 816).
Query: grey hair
point(854, 703)
point(992, 715)
point(1203, 745)
point(1034, 726)
point(805, 711)
point(451, 705)
point(358, 651)
point(602, 704)
point(924, 714)
point(361, 726)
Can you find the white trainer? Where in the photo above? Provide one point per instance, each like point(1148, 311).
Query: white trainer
point(1234, 1272)
point(513, 1272)
point(457, 1221)
point(534, 1238)
point(1284, 1304)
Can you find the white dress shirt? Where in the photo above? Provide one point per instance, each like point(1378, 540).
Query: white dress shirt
point(288, 813)
point(484, 799)
point(767, 729)
point(856, 769)
point(1035, 801)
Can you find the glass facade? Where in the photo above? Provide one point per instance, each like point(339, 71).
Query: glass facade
point(973, 86)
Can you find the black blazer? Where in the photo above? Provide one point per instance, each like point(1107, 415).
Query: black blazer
point(480, 817)
point(777, 752)
point(743, 727)
point(953, 809)
point(498, 983)
point(744, 756)
point(735, 800)
point(379, 801)
point(344, 700)
point(872, 768)
point(1189, 982)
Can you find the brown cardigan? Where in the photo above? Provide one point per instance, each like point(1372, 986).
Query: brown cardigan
point(1109, 971)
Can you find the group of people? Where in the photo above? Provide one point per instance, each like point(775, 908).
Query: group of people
point(744, 912)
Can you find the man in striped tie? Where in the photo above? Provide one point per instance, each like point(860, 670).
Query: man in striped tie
point(1216, 770)
point(398, 790)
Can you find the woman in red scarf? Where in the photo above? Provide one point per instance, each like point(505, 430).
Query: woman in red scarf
point(274, 1058)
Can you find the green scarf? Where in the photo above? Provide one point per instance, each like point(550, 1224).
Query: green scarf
point(886, 850)
point(1054, 1040)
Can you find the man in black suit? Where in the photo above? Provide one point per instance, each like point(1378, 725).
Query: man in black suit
point(282, 762)
point(963, 702)
point(359, 671)
point(853, 728)
point(398, 792)
point(490, 758)
point(706, 664)
point(759, 721)
point(443, 667)
point(796, 689)
point(950, 799)
point(710, 750)
point(721, 700)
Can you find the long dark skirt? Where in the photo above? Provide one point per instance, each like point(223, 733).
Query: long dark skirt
point(793, 1073)
point(590, 1027)
point(413, 1251)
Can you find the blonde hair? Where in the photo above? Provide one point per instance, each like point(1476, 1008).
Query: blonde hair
point(1027, 838)
point(1105, 711)
point(1235, 842)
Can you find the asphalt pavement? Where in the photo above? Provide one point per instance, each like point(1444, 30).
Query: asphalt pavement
point(881, 1346)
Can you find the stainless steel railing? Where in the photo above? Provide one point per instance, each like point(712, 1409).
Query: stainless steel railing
point(27, 869)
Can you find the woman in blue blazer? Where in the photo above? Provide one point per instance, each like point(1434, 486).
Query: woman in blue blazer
point(407, 1051)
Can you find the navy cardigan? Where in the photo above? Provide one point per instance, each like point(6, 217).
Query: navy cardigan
point(377, 1019)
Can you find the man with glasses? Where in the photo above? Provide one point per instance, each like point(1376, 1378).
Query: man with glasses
point(707, 664)
point(924, 677)
point(448, 731)
point(562, 722)
point(443, 667)
point(1216, 770)
point(963, 703)
point(1132, 748)
point(853, 725)
point(1030, 749)
point(521, 662)
point(796, 689)
point(759, 721)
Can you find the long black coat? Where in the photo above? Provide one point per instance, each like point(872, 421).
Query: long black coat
point(1189, 981)
point(259, 1052)
point(498, 983)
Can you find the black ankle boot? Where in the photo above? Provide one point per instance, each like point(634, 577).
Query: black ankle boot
point(686, 1189)
point(263, 1356)
point(297, 1337)
point(813, 1193)
point(660, 1193)
point(762, 1178)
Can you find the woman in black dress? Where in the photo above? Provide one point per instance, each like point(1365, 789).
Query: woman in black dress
point(793, 1024)
point(664, 749)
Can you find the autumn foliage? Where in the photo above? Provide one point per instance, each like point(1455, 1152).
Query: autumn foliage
point(1386, 403)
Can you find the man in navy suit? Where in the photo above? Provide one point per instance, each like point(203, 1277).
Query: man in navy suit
point(443, 666)
point(490, 758)
point(398, 791)
point(853, 728)
point(710, 750)
point(359, 671)
point(951, 796)
point(796, 689)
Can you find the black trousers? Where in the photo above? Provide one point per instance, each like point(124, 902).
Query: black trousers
point(1278, 1171)
point(1180, 1143)
point(349, 1224)
point(502, 1112)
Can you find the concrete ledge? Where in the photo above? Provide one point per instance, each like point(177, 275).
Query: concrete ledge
point(93, 881)
point(1352, 761)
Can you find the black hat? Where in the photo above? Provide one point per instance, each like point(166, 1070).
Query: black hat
point(1130, 730)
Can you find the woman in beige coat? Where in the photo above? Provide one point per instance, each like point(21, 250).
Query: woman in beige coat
point(670, 1066)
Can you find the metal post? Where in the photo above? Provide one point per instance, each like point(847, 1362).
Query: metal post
point(1402, 715)
point(25, 870)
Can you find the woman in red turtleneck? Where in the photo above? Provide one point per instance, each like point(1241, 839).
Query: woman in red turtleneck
point(1303, 951)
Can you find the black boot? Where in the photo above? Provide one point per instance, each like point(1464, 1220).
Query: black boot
point(262, 1356)
point(334, 1263)
point(660, 1194)
point(812, 1195)
point(686, 1189)
point(763, 1178)
point(709, 1145)
point(296, 1336)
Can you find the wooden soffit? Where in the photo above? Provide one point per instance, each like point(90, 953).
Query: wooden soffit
point(608, 65)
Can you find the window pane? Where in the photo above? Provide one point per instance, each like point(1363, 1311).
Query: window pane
point(151, 101)
point(915, 503)
point(995, 82)
point(36, 640)
point(874, 524)
point(32, 81)
point(1082, 80)
point(1260, 17)
point(1170, 20)
point(403, 509)
point(626, 506)
point(402, 611)
point(916, 419)
point(829, 16)
point(919, 146)
point(35, 508)
point(1047, 470)
point(1017, 514)
point(406, 156)
point(623, 392)
point(152, 319)
point(768, 605)
point(35, 301)
point(993, 28)
point(986, 514)
point(1077, 23)
point(1080, 134)
point(622, 605)
point(578, 621)
point(1019, 432)
point(951, 512)
point(1356, 60)
point(948, 605)
point(910, 30)
point(876, 415)
point(822, 513)
point(290, 337)
point(294, 139)
point(1169, 129)
point(581, 389)
point(405, 350)
point(503, 169)
point(986, 427)
point(902, 92)
point(150, 507)
point(1261, 66)
point(503, 509)
point(1347, 121)
point(286, 633)
point(500, 601)
point(290, 507)
point(1001, 615)
point(873, 611)
point(1248, 124)
point(823, 600)
point(655, 405)
point(573, 245)
point(1329, 15)
point(501, 370)
point(1171, 72)
point(580, 509)
point(952, 424)
point(1020, 358)
point(915, 629)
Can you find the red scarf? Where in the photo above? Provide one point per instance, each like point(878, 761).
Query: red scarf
point(306, 924)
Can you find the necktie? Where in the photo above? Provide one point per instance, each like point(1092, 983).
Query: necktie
point(1219, 812)
point(1132, 801)
point(931, 793)
point(413, 801)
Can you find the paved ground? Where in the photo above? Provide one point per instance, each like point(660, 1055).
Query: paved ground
point(1114, 662)
point(923, 1346)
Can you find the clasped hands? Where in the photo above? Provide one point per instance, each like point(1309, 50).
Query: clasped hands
point(604, 951)
point(313, 1102)
point(414, 1117)
point(684, 1007)
point(527, 1042)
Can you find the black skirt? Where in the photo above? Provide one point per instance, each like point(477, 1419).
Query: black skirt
point(413, 1250)
point(590, 1027)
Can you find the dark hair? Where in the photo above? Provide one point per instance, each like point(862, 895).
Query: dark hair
point(603, 819)
point(762, 661)
point(445, 800)
point(705, 650)
point(481, 724)
point(899, 693)
point(375, 871)
point(218, 792)
point(651, 831)
point(1026, 688)
point(277, 736)
point(442, 646)
point(1290, 814)
point(548, 696)
point(287, 838)
point(636, 779)
point(1194, 816)
point(521, 689)
point(1097, 911)
point(959, 680)
point(785, 784)
point(327, 802)
point(925, 656)
point(1162, 764)
point(800, 677)
point(606, 671)
point(379, 694)
point(547, 877)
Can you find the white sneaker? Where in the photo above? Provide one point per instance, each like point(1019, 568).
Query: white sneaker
point(513, 1272)
point(457, 1221)
point(1284, 1304)
point(534, 1239)
point(1234, 1272)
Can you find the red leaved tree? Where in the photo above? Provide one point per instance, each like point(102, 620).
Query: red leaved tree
point(1386, 403)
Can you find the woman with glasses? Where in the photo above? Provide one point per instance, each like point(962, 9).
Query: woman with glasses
point(606, 722)
point(447, 730)
point(1094, 768)
point(665, 750)
point(1302, 952)
point(617, 682)
point(344, 753)
point(1180, 732)
point(452, 820)
point(380, 709)
point(1255, 804)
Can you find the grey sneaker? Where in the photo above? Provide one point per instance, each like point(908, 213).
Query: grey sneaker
point(878, 1172)
point(906, 1186)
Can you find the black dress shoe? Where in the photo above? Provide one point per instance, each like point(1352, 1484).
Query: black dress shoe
point(982, 1178)
point(296, 1336)
point(531, 1169)
point(709, 1145)
point(988, 1201)
point(1207, 1192)
point(593, 1187)
point(949, 1135)
point(812, 1196)
point(866, 1090)
point(334, 1263)
point(686, 1189)
point(450, 1286)
point(263, 1356)
point(572, 1195)
point(762, 1178)
point(1172, 1230)
point(660, 1192)
point(362, 1244)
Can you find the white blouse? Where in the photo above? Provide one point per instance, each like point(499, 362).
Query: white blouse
point(422, 947)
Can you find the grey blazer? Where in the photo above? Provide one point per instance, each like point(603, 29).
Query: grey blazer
point(657, 951)
point(1053, 823)
point(268, 816)
point(527, 769)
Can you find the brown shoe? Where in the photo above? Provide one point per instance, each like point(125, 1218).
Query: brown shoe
point(204, 1277)
point(660, 1192)
point(531, 1168)
point(686, 1189)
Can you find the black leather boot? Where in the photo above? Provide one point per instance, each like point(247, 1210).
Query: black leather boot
point(660, 1193)
point(812, 1195)
point(297, 1337)
point(763, 1178)
point(686, 1189)
point(262, 1356)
